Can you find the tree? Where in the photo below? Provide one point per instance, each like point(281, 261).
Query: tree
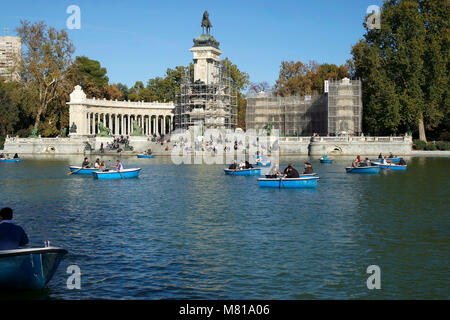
point(404, 67)
point(46, 63)
point(90, 71)
point(9, 115)
point(257, 87)
point(239, 82)
point(296, 78)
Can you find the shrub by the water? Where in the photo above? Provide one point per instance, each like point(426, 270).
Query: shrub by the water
point(443, 145)
point(419, 144)
point(430, 147)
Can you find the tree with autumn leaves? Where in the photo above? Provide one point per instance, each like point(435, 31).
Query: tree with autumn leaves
point(296, 78)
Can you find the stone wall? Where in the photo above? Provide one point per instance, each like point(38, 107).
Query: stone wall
point(370, 146)
point(45, 145)
point(314, 146)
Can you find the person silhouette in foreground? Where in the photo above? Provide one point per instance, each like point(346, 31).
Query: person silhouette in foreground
point(11, 236)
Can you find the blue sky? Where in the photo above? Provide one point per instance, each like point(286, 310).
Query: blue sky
point(137, 40)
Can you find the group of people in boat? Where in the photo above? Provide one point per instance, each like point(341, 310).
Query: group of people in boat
point(100, 165)
point(289, 171)
point(7, 156)
point(242, 165)
point(384, 160)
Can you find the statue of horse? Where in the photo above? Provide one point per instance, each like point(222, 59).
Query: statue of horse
point(206, 23)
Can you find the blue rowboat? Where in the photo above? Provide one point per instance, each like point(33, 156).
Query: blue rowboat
point(289, 183)
point(29, 269)
point(113, 174)
point(145, 156)
point(371, 169)
point(243, 172)
point(84, 171)
point(322, 160)
point(391, 166)
point(394, 160)
point(10, 160)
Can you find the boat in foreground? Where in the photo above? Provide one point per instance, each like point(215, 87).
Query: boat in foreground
point(322, 160)
point(145, 156)
point(114, 174)
point(83, 171)
point(391, 166)
point(10, 160)
point(243, 172)
point(368, 169)
point(29, 269)
point(289, 183)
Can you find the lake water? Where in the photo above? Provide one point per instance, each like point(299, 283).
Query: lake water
point(190, 232)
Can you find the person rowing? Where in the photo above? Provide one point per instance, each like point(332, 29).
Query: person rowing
point(274, 172)
point(391, 155)
point(118, 165)
point(248, 165)
point(290, 172)
point(86, 163)
point(402, 162)
point(16, 156)
point(380, 156)
point(367, 162)
point(308, 168)
point(233, 165)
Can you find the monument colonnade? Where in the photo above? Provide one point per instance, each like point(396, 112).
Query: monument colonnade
point(118, 116)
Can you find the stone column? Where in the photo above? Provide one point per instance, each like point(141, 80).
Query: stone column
point(116, 128)
point(87, 121)
point(130, 127)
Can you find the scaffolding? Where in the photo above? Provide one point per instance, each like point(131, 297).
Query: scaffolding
point(344, 107)
point(291, 115)
point(337, 112)
point(212, 105)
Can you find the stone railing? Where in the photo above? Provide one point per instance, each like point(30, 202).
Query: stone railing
point(124, 104)
point(362, 139)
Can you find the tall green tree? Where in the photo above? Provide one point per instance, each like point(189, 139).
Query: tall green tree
point(404, 67)
point(47, 60)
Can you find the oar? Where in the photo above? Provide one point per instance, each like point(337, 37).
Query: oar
point(72, 172)
point(284, 187)
point(123, 177)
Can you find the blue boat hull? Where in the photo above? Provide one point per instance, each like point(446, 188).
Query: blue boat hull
point(114, 175)
point(243, 172)
point(145, 156)
point(394, 167)
point(11, 160)
point(263, 164)
point(84, 171)
point(29, 269)
point(287, 183)
point(373, 169)
point(326, 161)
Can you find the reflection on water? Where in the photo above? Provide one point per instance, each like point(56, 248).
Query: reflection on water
point(189, 231)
